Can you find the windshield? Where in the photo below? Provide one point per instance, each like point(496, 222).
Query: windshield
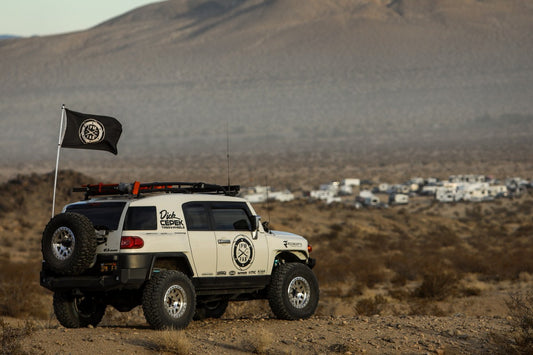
point(103, 215)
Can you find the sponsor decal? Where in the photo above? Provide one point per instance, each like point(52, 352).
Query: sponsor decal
point(221, 273)
point(170, 220)
point(231, 273)
point(243, 252)
point(261, 272)
point(291, 244)
point(91, 131)
point(252, 272)
point(242, 273)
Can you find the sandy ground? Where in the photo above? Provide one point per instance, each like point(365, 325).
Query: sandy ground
point(318, 335)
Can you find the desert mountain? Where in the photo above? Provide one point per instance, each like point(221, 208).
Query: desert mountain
point(281, 74)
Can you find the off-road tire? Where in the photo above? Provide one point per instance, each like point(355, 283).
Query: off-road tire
point(293, 291)
point(69, 243)
point(77, 312)
point(215, 309)
point(169, 300)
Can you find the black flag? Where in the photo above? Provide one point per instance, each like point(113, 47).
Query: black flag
point(86, 131)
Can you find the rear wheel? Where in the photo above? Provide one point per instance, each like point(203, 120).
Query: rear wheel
point(169, 300)
point(293, 292)
point(78, 312)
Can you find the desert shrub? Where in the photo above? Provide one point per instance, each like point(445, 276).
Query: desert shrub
point(377, 241)
point(20, 291)
point(368, 270)
point(425, 308)
point(370, 306)
point(475, 213)
point(521, 311)
point(437, 284)
point(441, 236)
point(469, 291)
point(525, 230)
point(12, 337)
point(339, 348)
point(261, 343)
point(400, 294)
point(172, 341)
point(406, 265)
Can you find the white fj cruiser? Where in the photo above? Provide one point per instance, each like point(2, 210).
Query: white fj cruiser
point(181, 250)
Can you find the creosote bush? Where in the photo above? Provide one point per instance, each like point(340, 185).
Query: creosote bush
point(20, 291)
point(520, 341)
point(11, 337)
point(370, 306)
point(172, 341)
point(438, 284)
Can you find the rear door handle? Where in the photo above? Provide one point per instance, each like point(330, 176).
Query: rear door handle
point(224, 241)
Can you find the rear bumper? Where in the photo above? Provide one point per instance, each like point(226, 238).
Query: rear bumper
point(121, 279)
point(132, 271)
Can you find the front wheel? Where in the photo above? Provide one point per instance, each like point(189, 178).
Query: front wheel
point(78, 312)
point(169, 300)
point(293, 292)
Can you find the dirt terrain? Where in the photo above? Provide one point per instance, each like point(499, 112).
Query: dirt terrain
point(318, 335)
point(418, 279)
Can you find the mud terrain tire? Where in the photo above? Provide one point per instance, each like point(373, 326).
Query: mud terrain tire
point(169, 300)
point(77, 312)
point(293, 292)
point(69, 243)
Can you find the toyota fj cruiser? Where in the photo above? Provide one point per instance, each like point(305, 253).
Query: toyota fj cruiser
point(181, 250)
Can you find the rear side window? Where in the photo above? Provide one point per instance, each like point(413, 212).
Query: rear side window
point(103, 215)
point(196, 217)
point(141, 218)
point(230, 219)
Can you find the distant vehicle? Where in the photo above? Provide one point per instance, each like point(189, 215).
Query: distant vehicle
point(398, 199)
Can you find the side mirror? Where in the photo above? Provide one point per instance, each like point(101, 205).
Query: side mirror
point(256, 222)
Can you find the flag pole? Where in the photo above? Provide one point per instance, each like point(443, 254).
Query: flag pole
point(57, 158)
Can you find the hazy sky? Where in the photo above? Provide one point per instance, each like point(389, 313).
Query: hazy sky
point(43, 17)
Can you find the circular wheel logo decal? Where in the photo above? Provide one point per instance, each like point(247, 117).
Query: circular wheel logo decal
point(91, 131)
point(243, 252)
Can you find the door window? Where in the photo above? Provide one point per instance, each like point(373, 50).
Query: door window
point(231, 219)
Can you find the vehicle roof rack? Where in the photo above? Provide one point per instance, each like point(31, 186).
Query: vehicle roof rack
point(137, 188)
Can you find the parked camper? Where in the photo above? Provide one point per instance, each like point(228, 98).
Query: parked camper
point(429, 190)
point(351, 182)
point(398, 199)
point(367, 198)
point(383, 187)
point(322, 194)
point(445, 194)
point(498, 191)
point(282, 196)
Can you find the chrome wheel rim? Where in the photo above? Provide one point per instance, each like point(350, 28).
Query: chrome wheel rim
point(175, 301)
point(63, 242)
point(299, 292)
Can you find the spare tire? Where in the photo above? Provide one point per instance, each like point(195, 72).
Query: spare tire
point(69, 243)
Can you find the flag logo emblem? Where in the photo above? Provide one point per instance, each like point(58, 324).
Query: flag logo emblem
point(92, 131)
